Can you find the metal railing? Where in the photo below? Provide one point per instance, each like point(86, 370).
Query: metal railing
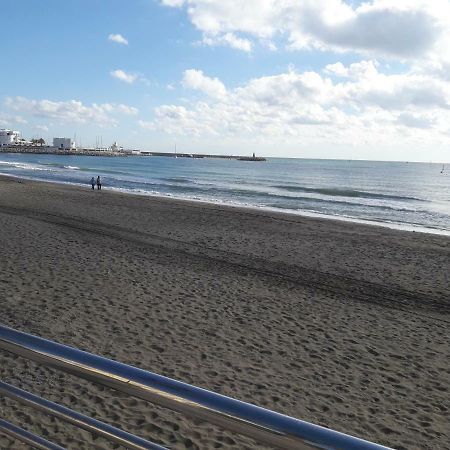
point(264, 426)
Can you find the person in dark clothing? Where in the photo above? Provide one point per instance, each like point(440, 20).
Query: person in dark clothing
point(93, 183)
point(99, 183)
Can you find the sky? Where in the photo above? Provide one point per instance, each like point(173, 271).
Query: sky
point(288, 78)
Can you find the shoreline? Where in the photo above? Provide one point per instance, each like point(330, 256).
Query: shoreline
point(340, 324)
point(286, 212)
point(218, 156)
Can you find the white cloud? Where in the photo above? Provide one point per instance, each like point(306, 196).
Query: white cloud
point(406, 29)
point(358, 103)
point(229, 39)
point(173, 3)
point(118, 38)
point(20, 119)
point(122, 109)
point(363, 69)
point(121, 75)
point(69, 111)
point(43, 128)
point(7, 120)
point(377, 27)
point(195, 79)
point(416, 120)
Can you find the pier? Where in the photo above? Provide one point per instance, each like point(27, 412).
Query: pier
point(46, 150)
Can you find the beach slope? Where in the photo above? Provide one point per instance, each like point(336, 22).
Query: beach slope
point(340, 324)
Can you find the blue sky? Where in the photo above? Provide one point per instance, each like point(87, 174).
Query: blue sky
point(323, 78)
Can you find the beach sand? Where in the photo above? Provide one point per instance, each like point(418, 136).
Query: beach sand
point(340, 324)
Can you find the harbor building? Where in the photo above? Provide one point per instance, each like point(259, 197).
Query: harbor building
point(115, 147)
point(63, 143)
point(9, 137)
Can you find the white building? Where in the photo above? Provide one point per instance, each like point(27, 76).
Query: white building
point(63, 143)
point(116, 147)
point(9, 137)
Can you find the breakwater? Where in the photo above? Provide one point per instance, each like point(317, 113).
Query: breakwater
point(43, 150)
point(46, 150)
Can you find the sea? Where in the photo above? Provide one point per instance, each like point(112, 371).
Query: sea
point(404, 195)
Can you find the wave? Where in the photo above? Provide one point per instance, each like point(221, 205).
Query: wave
point(23, 166)
point(84, 169)
point(37, 166)
point(59, 166)
point(260, 197)
point(177, 180)
point(336, 192)
point(272, 200)
point(308, 202)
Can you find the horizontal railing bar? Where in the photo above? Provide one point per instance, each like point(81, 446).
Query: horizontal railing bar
point(26, 437)
point(263, 425)
point(80, 420)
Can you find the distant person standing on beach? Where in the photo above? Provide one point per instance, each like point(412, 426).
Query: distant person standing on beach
point(99, 183)
point(93, 183)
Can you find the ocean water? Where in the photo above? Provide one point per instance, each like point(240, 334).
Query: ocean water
point(395, 194)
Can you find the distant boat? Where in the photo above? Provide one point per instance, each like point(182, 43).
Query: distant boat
point(443, 168)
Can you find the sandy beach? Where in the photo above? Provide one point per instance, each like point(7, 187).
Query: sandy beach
point(340, 324)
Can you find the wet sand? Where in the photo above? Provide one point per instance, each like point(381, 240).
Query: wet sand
point(340, 324)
